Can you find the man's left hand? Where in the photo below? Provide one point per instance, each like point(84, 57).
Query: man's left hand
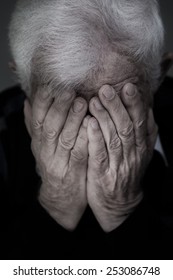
point(122, 136)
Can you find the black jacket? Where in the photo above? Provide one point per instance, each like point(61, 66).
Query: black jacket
point(28, 232)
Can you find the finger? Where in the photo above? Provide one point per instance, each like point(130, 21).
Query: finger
point(54, 122)
point(98, 157)
point(137, 112)
point(41, 104)
point(70, 131)
point(79, 154)
point(28, 116)
point(120, 117)
point(112, 140)
point(152, 132)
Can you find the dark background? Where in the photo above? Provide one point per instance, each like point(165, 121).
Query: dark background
point(6, 7)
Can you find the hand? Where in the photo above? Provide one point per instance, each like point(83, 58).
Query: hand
point(121, 136)
point(58, 129)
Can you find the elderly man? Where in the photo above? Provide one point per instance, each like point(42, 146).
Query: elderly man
point(89, 70)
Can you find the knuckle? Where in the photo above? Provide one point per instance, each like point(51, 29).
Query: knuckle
point(101, 157)
point(140, 141)
point(115, 144)
point(36, 124)
point(127, 132)
point(140, 124)
point(50, 135)
point(48, 132)
point(66, 141)
point(78, 155)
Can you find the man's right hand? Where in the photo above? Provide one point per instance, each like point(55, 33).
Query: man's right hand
point(58, 129)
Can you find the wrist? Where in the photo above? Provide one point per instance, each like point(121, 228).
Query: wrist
point(66, 216)
point(111, 219)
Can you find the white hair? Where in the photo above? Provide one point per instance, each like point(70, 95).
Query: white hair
point(63, 43)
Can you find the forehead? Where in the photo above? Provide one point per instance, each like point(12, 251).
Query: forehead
point(117, 70)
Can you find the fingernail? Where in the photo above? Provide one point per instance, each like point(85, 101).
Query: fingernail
point(108, 92)
point(94, 124)
point(130, 90)
point(86, 120)
point(78, 106)
point(44, 93)
point(98, 104)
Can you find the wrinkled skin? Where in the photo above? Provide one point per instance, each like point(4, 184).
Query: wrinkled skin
point(99, 160)
point(60, 145)
point(122, 136)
